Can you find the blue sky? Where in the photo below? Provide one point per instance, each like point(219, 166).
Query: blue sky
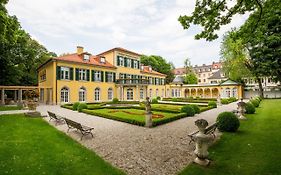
point(148, 27)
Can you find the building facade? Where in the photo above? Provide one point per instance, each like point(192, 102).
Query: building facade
point(116, 73)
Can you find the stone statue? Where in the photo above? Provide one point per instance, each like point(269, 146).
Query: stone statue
point(219, 100)
point(148, 114)
point(241, 109)
point(202, 143)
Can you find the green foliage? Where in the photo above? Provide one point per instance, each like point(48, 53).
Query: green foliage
point(195, 108)
point(81, 106)
point(154, 101)
point(255, 102)
point(174, 99)
point(188, 110)
point(75, 106)
point(224, 101)
point(159, 64)
point(20, 54)
point(212, 103)
point(250, 108)
point(191, 78)
point(158, 98)
point(115, 100)
point(228, 122)
point(232, 99)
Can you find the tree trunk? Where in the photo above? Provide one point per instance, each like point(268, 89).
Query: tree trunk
point(260, 87)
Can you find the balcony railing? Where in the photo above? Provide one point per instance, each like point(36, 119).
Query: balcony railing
point(132, 81)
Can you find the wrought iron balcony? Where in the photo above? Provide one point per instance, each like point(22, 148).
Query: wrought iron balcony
point(132, 81)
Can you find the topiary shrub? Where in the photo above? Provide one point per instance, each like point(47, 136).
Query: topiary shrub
point(228, 122)
point(212, 104)
point(250, 108)
point(256, 103)
point(158, 98)
point(188, 110)
point(81, 106)
point(232, 99)
point(196, 108)
point(174, 99)
point(224, 101)
point(154, 101)
point(75, 106)
point(115, 100)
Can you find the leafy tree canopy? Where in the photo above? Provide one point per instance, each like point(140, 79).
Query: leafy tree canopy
point(191, 78)
point(20, 54)
point(212, 14)
point(159, 64)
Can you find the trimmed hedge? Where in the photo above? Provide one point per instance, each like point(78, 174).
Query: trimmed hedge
point(67, 106)
point(203, 109)
point(224, 101)
point(228, 122)
point(250, 108)
point(212, 103)
point(167, 120)
point(81, 106)
point(75, 106)
point(115, 100)
point(154, 101)
point(196, 108)
point(255, 102)
point(188, 110)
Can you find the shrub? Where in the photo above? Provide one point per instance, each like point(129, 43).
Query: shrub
point(75, 106)
point(227, 121)
point(158, 98)
point(232, 99)
point(188, 110)
point(212, 104)
point(81, 106)
point(224, 101)
point(195, 108)
point(115, 100)
point(174, 99)
point(190, 98)
point(154, 101)
point(250, 108)
point(256, 103)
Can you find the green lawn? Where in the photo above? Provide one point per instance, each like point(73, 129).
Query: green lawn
point(176, 108)
point(8, 108)
point(31, 146)
point(255, 149)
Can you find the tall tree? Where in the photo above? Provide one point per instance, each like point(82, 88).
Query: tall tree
point(20, 54)
point(159, 64)
point(190, 76)
point(212, 14)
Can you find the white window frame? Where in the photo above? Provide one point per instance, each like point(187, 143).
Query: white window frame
point(135, 64)
point(130, 94)
point(141, 93)
point(82, 94)
point(97, 75)
point(65, 73)
point(109, 77)
point(83, 74)
point(121, 61)
point(97, 94)
point(110, 94)
point(64, 95)
point(157, 91)
point(150, 93)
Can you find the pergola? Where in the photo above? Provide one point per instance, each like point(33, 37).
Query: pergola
point(17, 92)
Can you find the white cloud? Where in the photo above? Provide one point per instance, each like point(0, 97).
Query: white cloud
point(149, 27)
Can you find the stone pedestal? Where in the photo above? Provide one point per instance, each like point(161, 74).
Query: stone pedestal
point(241, 110)
point(219, 101)
point(2, 97)
point(148, 120)
point(202, 142)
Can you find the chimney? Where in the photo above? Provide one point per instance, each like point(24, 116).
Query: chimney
point(80, 50)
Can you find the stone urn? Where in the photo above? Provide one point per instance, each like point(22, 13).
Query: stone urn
point(31, 105)
point(241, 109)
point(202, 142)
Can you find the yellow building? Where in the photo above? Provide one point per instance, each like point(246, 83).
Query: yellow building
point(116, 73)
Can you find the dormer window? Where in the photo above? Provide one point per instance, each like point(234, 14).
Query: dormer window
point(142, 67)
point(86, 57)
point(102, 59)
point(150, 69)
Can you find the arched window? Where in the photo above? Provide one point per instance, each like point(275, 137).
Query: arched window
point(234, 92)
point(82, 94)
point(173, 93)
point(130, 94)
point(97, 94)
point(157, 94)
point(150, 93)
point(109, 94)
point(141, 94)
point(64, 95)
point(227, 92)
point(168, 92)
point(162, 95)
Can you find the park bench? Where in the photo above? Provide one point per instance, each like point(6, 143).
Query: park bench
point(209, 130)
point(53, 116)
point(85, 130)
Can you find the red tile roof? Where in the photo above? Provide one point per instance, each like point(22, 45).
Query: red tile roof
point(119, 49)
point(146, 70)
point(94, 60)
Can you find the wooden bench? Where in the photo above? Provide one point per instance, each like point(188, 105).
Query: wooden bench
point(209, 130)
point(55, 117)
point(85, 130)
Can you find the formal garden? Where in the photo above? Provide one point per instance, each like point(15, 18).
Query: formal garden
point(134, 112)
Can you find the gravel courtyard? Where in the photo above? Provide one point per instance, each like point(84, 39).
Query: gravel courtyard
point(163, 150)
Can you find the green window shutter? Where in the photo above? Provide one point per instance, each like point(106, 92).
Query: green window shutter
point(58, 72)
point(125, 76)
point(118, 60)
point(114, 77)
point(102, 76)
point(71, 73)
point(125, 61)
point(132, 63)
point(88, 75)
point(93, 75)
point(138, 64)
point(106, 79)
point(77, 74)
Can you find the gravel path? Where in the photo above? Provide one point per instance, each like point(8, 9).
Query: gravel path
point(163, 150)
